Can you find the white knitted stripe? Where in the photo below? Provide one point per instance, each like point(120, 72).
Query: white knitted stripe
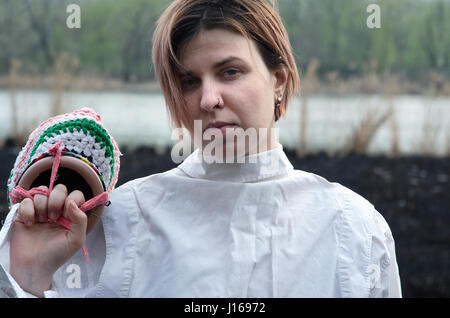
point(82, 144)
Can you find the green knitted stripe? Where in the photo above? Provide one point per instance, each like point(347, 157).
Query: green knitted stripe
point(9, 181)
point(86, 125)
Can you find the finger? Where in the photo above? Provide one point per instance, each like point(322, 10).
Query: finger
point(56, 201)
point(40, 206)
point(78, 218)
point(26, 212)
point(76, 196)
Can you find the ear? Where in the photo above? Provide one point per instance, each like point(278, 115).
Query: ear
point(281, 78)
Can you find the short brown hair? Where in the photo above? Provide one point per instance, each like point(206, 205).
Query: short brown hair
point(183, 19)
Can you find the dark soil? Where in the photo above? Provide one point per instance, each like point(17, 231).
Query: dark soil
point(412, 193)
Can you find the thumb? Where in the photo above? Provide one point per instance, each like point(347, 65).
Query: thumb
point(78, 223)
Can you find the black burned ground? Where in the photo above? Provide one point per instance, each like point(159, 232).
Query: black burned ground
point(412, 193)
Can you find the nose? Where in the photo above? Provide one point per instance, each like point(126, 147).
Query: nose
point(210, 98)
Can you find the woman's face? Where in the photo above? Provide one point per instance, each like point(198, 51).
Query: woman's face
point(227, 81)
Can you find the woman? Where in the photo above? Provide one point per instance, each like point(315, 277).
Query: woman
point(211, 228)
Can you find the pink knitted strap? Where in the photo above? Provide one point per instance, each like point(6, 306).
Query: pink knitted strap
point(19, 193)
point(55, 151)
point(101, 199)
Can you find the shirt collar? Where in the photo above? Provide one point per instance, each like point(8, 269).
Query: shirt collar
point(257, 167)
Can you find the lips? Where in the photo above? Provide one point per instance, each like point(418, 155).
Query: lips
point(219, 125)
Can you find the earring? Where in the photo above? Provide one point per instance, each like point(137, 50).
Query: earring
point(277, 107)
point(279, 99)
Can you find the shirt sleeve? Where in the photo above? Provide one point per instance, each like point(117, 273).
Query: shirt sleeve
point(10, 289)
point(383, 277)
point(367, 262)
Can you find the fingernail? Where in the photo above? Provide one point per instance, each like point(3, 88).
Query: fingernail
point(29, 223)
point(52, 215)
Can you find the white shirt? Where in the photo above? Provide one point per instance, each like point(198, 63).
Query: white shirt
point(231, 230)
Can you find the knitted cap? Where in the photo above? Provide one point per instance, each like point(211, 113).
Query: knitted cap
point(82, 135)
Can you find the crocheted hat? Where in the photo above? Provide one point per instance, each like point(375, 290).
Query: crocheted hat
point(80, 135)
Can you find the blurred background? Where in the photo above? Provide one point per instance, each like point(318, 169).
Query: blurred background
point(373, 113)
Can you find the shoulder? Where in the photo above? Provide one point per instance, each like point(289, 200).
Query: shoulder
point(362, 216)
point(129, 194)
point(366, 255)
point(154, 181)
point(339, 197)
point(354, 211)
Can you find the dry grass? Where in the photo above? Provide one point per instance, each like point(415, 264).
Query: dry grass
point(447, 144)
point(395, 145)
point(371, 83)
point(18, 136)
point(393, 88)
point(438, 84)
point(62, 71)
point(309, 82)
point(431, 126)
point(364, 133)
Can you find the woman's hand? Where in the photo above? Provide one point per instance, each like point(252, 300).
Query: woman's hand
point(39, 247)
